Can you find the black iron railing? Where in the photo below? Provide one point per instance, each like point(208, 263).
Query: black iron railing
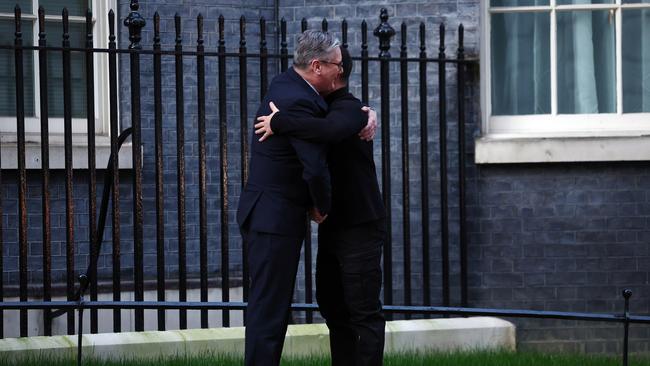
point(80, 305)
point(134, 21)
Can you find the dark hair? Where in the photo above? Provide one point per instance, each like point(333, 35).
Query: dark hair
point(346, 63)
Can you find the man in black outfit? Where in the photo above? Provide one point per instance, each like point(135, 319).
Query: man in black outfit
point(350, 240)
point(288, 177)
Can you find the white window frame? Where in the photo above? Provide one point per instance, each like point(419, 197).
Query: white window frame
point(8, 138)
point(559, 137)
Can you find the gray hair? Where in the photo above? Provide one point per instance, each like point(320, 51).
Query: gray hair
point(313, 44)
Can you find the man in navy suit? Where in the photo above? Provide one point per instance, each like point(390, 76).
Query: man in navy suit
point(288, 177)
point(348, 267)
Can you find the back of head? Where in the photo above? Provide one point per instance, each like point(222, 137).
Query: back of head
point(313, 44)
point(346, 64)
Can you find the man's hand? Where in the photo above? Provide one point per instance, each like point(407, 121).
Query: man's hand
point(264, 123)
point(316, 216)
point(368, 132)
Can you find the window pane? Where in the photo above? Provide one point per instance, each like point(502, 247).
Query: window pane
point(520, 64)
point(55, 71)
point(518, 2)
point(586, 62)
point(8, 6)
point(571, 2)
point(8, 71)
point(55, 7)
point(636, 61)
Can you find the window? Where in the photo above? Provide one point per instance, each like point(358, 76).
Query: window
point(565, 68)
point(54, 30)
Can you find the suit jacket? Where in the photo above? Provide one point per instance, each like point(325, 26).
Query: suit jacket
point(287, 175)
point(356, 198)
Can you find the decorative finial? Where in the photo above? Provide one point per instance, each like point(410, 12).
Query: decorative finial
point(384, 32)
point(135, 22)
point(383, 15)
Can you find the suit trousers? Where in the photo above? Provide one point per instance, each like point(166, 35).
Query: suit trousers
point(348, 283)
point(273, 263)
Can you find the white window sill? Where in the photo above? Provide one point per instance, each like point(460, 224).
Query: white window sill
point(495, 149)
point(9, 151)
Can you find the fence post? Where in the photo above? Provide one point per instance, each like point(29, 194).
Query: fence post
point(135, 23)
point(92, 175)
point(364, 62)
point(627, 293)
point(223, 159)
point(203, 200)
point(385, 32)
point(444, 221)
point(45, 172)
point(406, 207)
point(243, 125)
point(424, 168)
point(264, 59)
point(461, 165)
point(22, 175)
point(83, 285)
point(344, 33)
point(115, 168)
point(160, 191)
point(180, 171)
point(284, 53)
point(69, 185)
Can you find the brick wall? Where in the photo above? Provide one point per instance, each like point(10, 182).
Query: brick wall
point(566, 237)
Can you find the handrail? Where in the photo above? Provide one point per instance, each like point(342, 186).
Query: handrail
point(101, 224)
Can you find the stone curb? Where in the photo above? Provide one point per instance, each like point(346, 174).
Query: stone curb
point(475, 333)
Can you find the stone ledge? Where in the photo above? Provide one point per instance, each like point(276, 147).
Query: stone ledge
point(512, 149)
point(476, 333)
point(9, 151)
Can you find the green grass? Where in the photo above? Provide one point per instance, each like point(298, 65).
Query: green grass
point(410, 359)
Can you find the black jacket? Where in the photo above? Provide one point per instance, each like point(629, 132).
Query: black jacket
point(356, 198)
point(287, 175)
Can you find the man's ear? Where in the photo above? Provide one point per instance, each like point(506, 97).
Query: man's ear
point(315, 66)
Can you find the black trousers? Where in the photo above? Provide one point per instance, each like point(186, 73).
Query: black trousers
point(273, 262)
point(348, 283)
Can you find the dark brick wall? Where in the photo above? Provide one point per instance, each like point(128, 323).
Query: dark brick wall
point(567, 237)
point(541, 236)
